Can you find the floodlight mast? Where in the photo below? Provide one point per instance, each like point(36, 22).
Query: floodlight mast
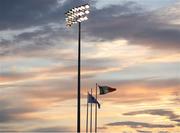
point(73, 16)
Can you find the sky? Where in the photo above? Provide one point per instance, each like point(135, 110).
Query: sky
point(131, 45)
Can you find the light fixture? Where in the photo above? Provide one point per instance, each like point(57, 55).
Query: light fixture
point(87, 12)
point(87, 6)
point(77, 14)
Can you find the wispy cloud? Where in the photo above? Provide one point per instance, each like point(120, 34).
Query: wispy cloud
point(52, 129)
point(139, 125)
point(141, 28)
point(142, 131)
point(161, 112)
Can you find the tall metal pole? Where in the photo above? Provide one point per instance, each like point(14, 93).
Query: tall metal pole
point(78, 15)
point(96, 112)
point(87, 117)
point(79, 82)
point(91, 115)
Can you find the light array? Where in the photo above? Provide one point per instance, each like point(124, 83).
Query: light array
point(77, 14)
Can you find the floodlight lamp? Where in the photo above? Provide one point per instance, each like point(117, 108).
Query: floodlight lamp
point(87, 6)
point(69, 13)
point(82, 19)
point(70, 17)
point(79, 20)
point(87, 12)
point(74, 22)
point(73, 15)
point(77, 9)
point(85, 18)
point(81, 13)
point(82, 7)
point(74, 9)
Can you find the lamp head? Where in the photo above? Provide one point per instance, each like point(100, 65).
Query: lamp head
point(77, 15)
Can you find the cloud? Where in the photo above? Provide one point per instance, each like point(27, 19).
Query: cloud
point(163, 132)
point(46, 16)
point(26, 101)
point(90, 69)
point(14, 76)
point(102, 128)
point(47, 94)
point(128, 21)
point(5, 128)
point(37, 43)
point(139, 125)
point(177, 120)
point(52, 129)
point(4, 117)
point(10, 111)
point(161, 112)
point(142, 131)
point(50, 32)
point(128, 91)
point(33, 13)
point(25, 14)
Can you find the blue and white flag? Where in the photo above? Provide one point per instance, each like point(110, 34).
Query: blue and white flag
point(92, 99)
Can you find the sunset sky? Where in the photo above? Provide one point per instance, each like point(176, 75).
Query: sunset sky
point(131, 45)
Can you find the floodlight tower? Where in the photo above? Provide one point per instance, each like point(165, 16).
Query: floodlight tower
point(73, 16)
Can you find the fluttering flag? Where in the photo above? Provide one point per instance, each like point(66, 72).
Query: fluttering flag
point(92, 99)
point(106, 89)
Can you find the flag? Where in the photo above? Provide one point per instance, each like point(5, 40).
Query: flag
point(106, 89)
point(92, 99)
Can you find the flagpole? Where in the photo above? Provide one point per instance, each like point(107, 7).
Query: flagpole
point(91, 116)
point(87, 113)
point(96, 112)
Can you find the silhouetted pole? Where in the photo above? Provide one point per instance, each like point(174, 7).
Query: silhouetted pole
point(87, 113)
point(91, 115)
point(96, 112)
point(79, 82)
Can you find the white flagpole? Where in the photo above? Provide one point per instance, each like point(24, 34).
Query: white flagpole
point(91, 116)
point(87, 113)
point(96, 112)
